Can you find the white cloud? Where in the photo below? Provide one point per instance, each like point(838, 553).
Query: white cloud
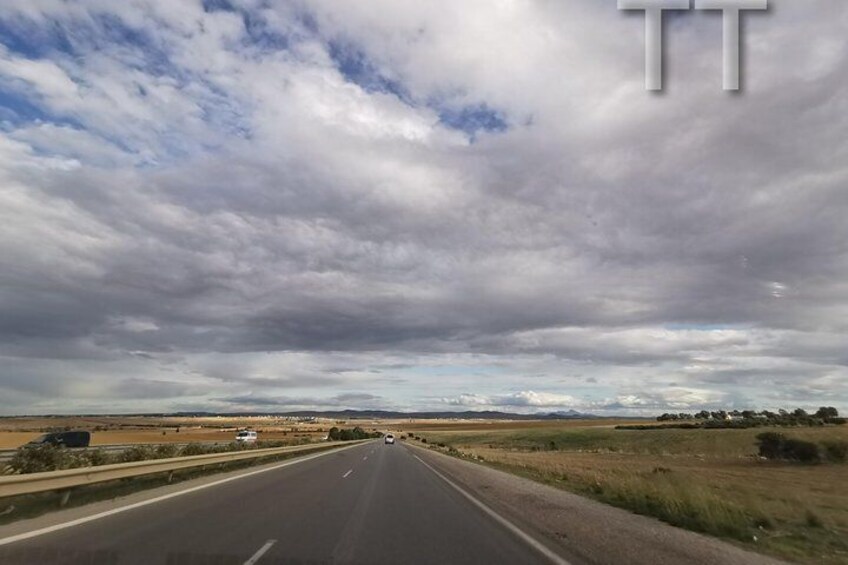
point(46, 78)
point(520, 399)
point(181, 193)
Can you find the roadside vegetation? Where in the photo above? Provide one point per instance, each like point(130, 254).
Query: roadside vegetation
point(46, 457)
point(784, 493)
point(336, 434)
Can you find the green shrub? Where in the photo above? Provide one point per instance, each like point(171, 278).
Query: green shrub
point(91, 458)
point(40, 458)
point(265, 443)
point(800, 450)
point(166, 450)
point(771, 444)
point(136, 453)
point(836, 451)
point(192, 449)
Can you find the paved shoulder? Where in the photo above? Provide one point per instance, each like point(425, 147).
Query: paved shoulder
point(584, 529)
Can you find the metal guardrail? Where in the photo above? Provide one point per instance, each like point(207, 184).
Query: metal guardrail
point(13, 485)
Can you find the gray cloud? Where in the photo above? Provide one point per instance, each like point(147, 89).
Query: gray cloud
point(340, 401)
point(250, 220)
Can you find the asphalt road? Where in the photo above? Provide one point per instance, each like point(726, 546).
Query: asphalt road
point(369, 504)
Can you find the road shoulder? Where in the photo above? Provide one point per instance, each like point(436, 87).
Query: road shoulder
point(582, 529)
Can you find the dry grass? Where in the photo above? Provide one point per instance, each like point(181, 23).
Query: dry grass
point(482, 426)
point(704, 480)
point(108, 430)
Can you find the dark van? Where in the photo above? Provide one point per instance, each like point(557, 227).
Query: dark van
point(64, 439)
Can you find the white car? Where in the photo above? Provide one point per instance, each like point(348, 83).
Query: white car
point(246, 436)
point(389, 438)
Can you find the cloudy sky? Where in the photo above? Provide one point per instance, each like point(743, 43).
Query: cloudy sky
point(398, 204)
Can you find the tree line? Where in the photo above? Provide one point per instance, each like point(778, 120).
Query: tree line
point(742, 419)
point(797, 417)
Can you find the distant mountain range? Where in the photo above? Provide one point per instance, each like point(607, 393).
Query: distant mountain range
point(357, 414)
point(393, 415)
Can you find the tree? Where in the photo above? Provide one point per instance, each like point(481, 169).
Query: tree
point(800, 413)
point(826, 412)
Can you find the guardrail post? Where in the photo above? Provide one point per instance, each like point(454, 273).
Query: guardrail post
point(170, 476)
point(66, 496)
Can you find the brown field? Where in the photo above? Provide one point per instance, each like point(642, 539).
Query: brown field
point(710, 481)
point(109, 430)
point(500, 425)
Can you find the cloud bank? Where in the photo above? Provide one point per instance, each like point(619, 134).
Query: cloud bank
point(232, 205)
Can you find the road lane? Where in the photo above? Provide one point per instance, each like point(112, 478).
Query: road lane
point(340, 508)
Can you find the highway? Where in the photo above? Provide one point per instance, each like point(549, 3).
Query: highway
point(369, 504)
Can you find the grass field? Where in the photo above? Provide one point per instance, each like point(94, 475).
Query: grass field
point(709, 481)
point(109, 430)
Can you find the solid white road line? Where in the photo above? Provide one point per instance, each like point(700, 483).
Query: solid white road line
point(525, 537)
point(261, 552)
point(346, 474)
point(78, 521)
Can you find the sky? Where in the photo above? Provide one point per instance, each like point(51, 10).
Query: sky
point(273, 205)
